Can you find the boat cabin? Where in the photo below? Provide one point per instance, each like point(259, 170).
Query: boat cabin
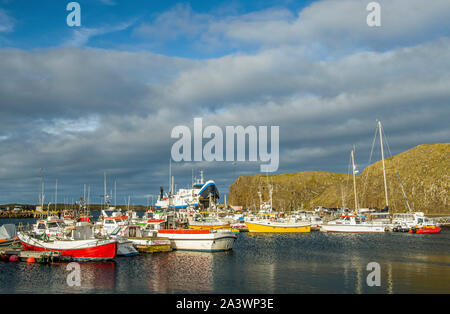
point(50, 226)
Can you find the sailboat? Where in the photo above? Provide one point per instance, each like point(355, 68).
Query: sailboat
point(352, 223)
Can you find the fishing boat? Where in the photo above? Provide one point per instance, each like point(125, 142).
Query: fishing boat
point(269, 221)
point(110, 219)
point(199, 240)
point(278, 226)
point(79, 245)
point(152, 220)
point(414, 222)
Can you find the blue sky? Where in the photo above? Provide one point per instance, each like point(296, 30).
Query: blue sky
point(105, 96)
point(42, 24)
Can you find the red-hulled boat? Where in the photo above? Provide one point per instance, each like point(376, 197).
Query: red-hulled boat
point(425, 229)
point(89, 249)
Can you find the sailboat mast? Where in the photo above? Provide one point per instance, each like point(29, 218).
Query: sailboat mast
point(384, 169)
point(354, 178)
point(56, 194)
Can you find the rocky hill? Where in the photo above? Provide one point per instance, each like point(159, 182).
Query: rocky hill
point(424, 171)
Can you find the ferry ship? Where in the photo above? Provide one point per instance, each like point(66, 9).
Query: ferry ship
point(201, 195)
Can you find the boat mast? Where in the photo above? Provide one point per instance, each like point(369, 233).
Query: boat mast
point(56, 194)
point(354, 178)
point(384, 169)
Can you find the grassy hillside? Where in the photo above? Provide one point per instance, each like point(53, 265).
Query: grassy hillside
point(424, 171)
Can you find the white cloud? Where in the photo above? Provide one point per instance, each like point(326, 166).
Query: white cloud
point(81, 36)
point(328, 24)
point(6, 22)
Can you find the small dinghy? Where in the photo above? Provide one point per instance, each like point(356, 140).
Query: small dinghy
point(8, 235)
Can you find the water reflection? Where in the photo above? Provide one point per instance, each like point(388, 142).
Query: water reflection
point(98, 276)
point(178, 271)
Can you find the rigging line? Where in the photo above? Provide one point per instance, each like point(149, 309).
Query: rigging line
point(348, 184)
point(390, 155)
point(368, 163)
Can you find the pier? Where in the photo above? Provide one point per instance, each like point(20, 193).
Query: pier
point(17, 254)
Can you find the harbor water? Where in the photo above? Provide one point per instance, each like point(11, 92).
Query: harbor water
point(313, 262)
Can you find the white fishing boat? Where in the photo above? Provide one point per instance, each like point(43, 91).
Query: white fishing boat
point(199, 240)
point(110, 220)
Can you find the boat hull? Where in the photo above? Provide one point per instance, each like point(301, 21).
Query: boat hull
point(126, 248)
point(75, 250)
point(353, 228)
point(208, 226)
point(277, 228)
point(426, 229)
point(151, 245)
point(200, 240)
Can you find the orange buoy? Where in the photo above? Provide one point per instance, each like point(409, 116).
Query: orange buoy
point(30, 260)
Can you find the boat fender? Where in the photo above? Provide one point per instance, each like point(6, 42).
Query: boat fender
point(14, 258)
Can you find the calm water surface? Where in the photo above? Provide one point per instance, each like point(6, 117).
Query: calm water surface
point(259, 263)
